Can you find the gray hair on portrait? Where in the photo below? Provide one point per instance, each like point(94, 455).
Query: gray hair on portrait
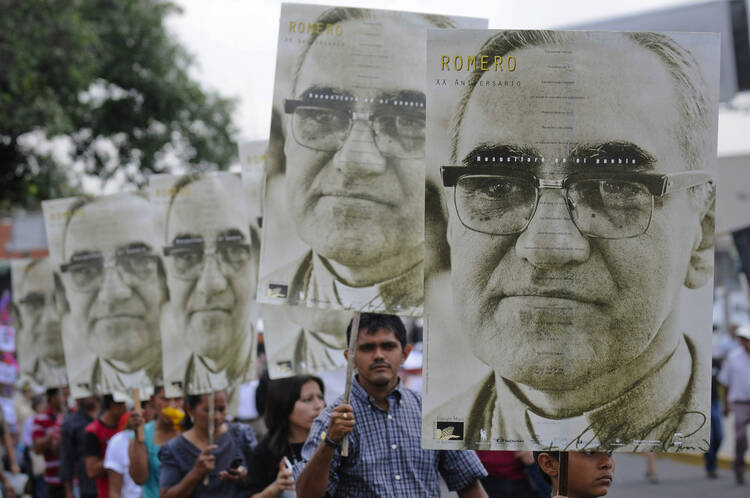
point(692, 92)
point(178, 186)
point(337, 15)
point(84, 200)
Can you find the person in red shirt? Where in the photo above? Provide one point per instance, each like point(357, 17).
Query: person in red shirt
point(98, 434)
point(506, 476)
point(45, 436)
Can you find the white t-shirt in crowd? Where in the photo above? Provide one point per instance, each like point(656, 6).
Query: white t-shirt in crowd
point(735, 375)
point(116, 458)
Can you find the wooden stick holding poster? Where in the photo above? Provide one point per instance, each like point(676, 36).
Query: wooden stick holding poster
point(139, 434)
point(350, 373)
point(563, 485)
point(211, 427)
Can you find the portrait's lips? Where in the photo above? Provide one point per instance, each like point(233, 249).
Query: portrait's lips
point(216, 309)
point(558, 293)
point(380, 366)
point(117, 316)
point(344, 194)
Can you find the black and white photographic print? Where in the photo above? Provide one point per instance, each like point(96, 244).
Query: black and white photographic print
point(570, 227)
point(105, 250)
point(205, 239)
point(301, 340)
point(38, 304)
point(343, 222)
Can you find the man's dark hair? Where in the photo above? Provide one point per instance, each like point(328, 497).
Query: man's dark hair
point(52, 392)
point(372, 322)
point(107, 401)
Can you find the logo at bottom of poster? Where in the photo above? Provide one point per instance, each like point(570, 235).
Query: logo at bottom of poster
point(449, 430)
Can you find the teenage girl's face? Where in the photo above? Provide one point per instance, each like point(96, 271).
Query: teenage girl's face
point(308, 406)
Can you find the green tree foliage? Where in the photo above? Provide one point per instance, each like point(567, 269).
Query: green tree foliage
point(105, 83)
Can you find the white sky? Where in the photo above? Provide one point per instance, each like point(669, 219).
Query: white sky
point(234, 42)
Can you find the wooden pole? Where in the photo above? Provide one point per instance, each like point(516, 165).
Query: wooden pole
point(139, 434)
point(350, 373)
point(211, 428)
point(563, 487)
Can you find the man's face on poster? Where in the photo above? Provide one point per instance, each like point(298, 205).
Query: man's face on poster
point(112, 280)
point(550, 307)
point(358, 165)
point(40, 309)
point(208, 265)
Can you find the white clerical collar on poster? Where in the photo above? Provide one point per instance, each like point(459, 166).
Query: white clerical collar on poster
point(368, 297)
point(664, 391)
point(108, 378)
point(675, 373)
point(203, 375)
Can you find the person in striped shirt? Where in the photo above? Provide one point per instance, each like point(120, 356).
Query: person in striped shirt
point(46, 430)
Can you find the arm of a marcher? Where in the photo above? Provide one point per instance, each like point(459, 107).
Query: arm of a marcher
point(115, 483)
point(138, 461)
point(474, 490)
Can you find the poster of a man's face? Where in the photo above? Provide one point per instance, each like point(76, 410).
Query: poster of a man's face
point(38, 301)
point(114, 287)
point(207, 324)
point(579, 195)
point(344, 218)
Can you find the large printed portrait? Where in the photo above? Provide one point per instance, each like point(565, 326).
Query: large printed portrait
point(343, 225)
point(209, 249)
point(105, 251)
point(38, 303)
point(571, 178)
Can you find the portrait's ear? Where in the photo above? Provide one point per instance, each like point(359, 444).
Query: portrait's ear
point(700, 269)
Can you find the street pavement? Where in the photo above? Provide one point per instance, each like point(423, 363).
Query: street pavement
point(676, 479)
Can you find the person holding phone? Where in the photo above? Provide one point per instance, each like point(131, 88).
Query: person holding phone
point(292, 405)
point(188, 458)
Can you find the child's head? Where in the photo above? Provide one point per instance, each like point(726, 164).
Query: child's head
point(590, 474)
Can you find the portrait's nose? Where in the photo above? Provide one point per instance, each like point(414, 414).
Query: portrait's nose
point(50, 315)
point(211, 280)
point(113, 288)
point(359, 154)
point(551, 238)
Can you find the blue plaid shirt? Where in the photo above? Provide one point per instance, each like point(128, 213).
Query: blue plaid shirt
point(385, 457)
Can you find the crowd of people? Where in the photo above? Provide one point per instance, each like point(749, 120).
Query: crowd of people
point(170, 447)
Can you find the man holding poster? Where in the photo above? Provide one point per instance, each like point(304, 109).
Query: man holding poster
point(580, 210)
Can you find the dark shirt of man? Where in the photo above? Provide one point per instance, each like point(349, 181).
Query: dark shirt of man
point(97, 436)
point(73, 452)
